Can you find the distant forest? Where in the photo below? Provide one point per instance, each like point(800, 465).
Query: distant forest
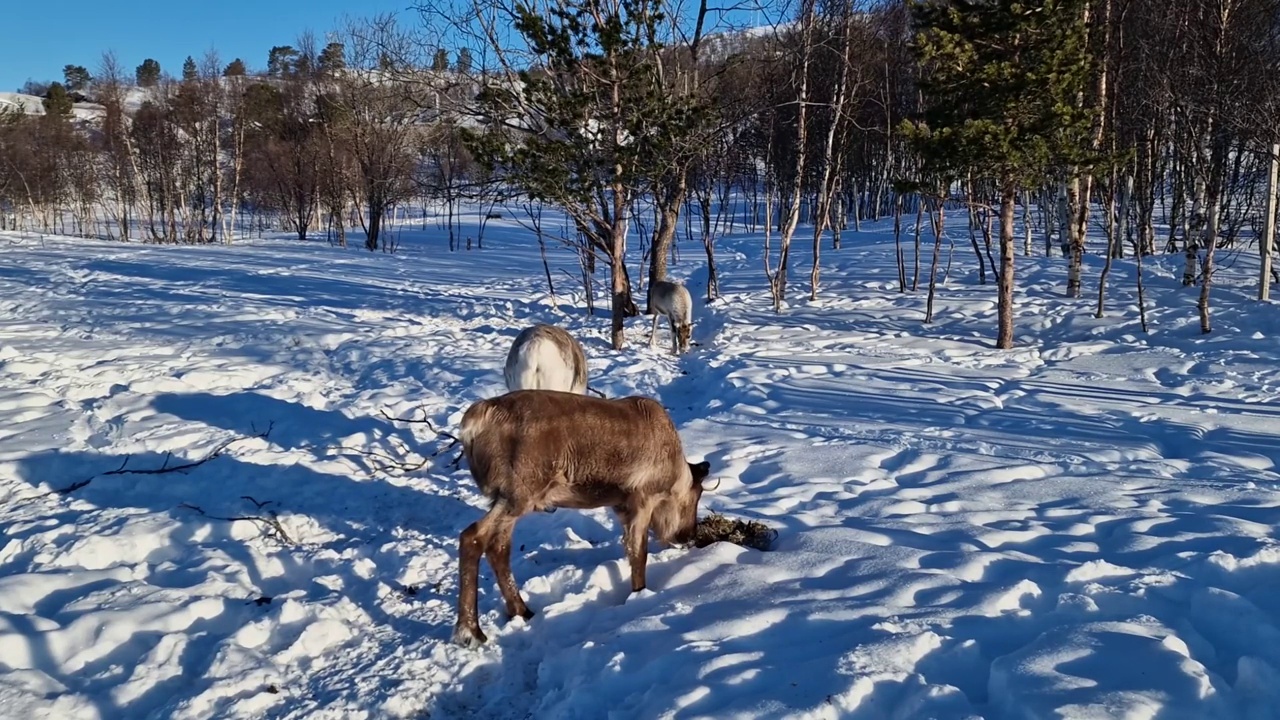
point(1123, 127)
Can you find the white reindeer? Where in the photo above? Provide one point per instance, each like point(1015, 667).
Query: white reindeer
point(545, 357)
point(672, 300)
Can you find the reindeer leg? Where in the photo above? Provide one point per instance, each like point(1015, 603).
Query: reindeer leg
point(653, 334)
point(466, 631)
point(675, 338)
point(472, 543)
point(499, 554)
point(635, 536)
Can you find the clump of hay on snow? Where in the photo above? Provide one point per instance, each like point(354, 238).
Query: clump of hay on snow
point(716, 528)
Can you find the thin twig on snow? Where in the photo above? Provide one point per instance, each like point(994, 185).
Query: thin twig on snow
point(165, 467)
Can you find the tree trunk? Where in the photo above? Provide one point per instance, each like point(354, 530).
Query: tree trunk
point(835, 211)
point(1074, 249)
point(1046, 213)
point(829, 185)
point(778, 282)
point(171, 216)
point(1210, 244)
point(123, 209)
point(709, 243)
point(937, 220)
point(815, 271)
point(374, 229)
point(1104, 23)
point(1026, 223)
point(973, 234)
point(856, 206)
point(665, 233)
point(1122, 215)
point(897, 242)
point(915, 277)
point(1113, 239)
point(1189, 263)
point(1064, 224)
point(237, 167)
point(1267, 242)
point(768, 228)
point(1144, 195)
point(984, 224)
point(217, 178)
point(1142, 294)
point(618, 283)
point(1004, 337)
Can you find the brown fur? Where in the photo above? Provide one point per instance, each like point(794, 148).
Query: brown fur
point(541, 449)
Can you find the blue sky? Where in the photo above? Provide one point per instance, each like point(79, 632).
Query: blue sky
point(41, 36)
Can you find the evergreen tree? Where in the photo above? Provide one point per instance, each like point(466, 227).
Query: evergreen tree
point(57, 102)
point(600, 123)
point(440, 62)
point(1000, 80)
point(332, 58)
point(235, 68)
point(148, 73)
point(281, 60)
point(464, 61)
point(189, 69)
point(76, 77)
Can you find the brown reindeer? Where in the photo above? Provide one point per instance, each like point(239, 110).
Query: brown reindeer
point(535, 450)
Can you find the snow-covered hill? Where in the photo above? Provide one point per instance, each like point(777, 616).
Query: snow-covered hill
point(32, 105)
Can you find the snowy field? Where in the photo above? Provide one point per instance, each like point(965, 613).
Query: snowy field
point(1080, 528)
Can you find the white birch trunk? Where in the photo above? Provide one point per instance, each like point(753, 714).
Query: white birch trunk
point(1267, 243)
point(1122, 219)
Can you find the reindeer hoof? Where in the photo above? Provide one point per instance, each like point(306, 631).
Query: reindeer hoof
point(643, 593)
point(468, 637)
point(549, 509)
point(527, 614)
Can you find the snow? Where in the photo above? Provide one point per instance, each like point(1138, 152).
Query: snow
point(33, 105)
point(1083, 527)
point(133, 99)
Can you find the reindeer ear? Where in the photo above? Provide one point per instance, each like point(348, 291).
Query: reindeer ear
point(700, 471)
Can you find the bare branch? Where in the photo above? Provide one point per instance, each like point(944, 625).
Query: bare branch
point(165, 467)
point(270, 523)
point(439, 434)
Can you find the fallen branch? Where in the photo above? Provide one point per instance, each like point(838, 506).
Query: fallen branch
point(391, 462)
point(165, 467)
point(456, 462)
point(271, 523)
point(424, 421)
point(75, 486)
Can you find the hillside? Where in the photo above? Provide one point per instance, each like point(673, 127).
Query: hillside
point(32, 105)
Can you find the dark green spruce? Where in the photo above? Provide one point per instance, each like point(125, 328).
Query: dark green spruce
point(1002, 83)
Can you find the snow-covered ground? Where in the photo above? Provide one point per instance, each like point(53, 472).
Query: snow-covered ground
point(1080, 528)
point(32, 105)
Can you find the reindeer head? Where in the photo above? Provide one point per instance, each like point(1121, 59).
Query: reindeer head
point(684, 333)
point(675, 519)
